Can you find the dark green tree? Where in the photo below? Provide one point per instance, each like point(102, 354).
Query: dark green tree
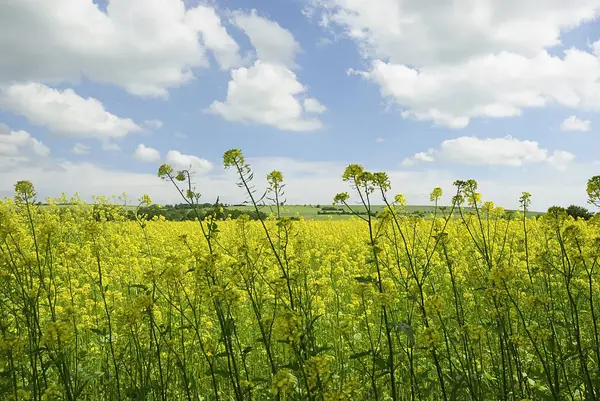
point(579, 212)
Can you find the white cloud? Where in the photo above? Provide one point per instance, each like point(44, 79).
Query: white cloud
point(379, 140)
point(414, 32)
point(314, 106)
point(495, 65)
point(573, 123)
point(268, 92)
point(494, 86)
point(180, 161)
point(143, 46)
point(561, 159)
point(80, 149)
point(265, 94)
point(507, 151)
point(215, 36)
point(273, 43)
point(85, 179)
point(19, 148)
point(64, 112)
point(146, 154)
point(153, 124)
point(13, 142)
point(419, 157)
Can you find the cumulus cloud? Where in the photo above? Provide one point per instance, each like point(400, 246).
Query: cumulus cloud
point(143, 46)
point(146, 154)
point(493, 86)
point(215, 36)
point(414, 32)
point(181, 161)
point(266, 94)
point(13, 142)
point(273, 43)
point(462, 60)
point(64, 112)
point(560, 159)
point(19, 148)
point(507, 151)
point(573, 123)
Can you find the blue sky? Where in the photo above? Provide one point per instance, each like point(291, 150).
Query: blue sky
point(84, 84)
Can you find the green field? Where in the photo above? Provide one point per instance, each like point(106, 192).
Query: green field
point(311, 212)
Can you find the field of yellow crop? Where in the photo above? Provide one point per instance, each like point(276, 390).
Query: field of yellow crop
point(481, 305)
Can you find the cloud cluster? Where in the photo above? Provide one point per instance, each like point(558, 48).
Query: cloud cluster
point(572, 123)
point(64, 112)
point(146, 154)
point(143, 46)
point(507, 151)
point(19, 148)
point(180, 161)
point(268, 92)
point(460, 60)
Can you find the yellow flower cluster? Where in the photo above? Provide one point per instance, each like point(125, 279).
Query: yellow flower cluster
point(284, 382)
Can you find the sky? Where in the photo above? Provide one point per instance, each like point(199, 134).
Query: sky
point(96, 94)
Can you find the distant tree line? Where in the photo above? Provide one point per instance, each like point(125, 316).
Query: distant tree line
point(183, 212)
point(180, 212)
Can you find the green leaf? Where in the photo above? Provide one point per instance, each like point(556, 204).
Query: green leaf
point(313, 320)
point(381, 363)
